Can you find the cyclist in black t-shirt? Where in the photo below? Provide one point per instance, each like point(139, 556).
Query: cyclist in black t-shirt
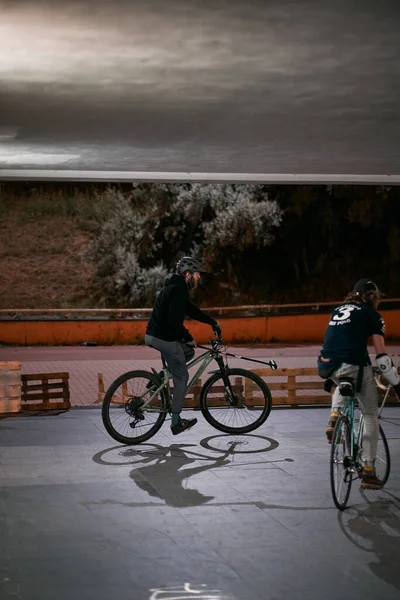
point(344, 355)
point(166, 332)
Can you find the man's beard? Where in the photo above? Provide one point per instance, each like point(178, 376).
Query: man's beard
point(192, 282)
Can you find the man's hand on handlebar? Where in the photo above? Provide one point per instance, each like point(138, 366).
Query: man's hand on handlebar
point(217, 329)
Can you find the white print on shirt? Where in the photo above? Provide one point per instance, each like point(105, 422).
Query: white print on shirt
point(382, 324)
point(345, 315)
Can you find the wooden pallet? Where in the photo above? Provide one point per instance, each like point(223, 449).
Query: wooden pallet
point(292, 381)
point(45, 391)
point(304, 379)
point(10, 387)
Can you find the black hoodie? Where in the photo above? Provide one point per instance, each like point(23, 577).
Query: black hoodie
point(171, 307)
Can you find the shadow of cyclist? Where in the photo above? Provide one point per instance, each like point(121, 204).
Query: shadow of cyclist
point(376, 529)
point(164, 473)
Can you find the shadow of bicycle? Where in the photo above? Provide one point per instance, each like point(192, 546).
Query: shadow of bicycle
point(374, 527)
point(164, 471)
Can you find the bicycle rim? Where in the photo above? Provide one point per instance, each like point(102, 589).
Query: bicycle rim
point(340, 464)
point(122, 415)
point(382, 462)
point(251, 402)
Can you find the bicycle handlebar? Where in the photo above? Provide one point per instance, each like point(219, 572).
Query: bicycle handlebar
point(217, 342)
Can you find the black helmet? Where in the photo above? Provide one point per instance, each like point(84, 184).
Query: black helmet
point(363, 286)
point(187, 263)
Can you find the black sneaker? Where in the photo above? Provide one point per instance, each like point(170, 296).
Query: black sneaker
point(182, 425)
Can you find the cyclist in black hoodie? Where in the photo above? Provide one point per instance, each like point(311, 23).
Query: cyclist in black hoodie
point(165, 331)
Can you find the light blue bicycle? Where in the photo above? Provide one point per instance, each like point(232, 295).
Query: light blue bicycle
point(345, 460)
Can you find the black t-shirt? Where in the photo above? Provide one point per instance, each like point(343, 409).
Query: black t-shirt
point(347, 334)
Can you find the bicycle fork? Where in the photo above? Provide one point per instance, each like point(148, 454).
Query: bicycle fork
point(229, 394)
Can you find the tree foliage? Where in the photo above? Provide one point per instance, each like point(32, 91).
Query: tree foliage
point(142, 233)
point(263, 244)
point(330, 237)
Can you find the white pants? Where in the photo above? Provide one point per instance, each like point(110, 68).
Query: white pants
point(368, 400)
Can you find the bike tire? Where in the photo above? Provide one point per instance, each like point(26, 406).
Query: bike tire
point(340, 460)
point(382, 462)
point(135, 384)
point(211, 395)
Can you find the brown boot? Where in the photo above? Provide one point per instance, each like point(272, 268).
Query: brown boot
point(369, 480)
point(331, 425)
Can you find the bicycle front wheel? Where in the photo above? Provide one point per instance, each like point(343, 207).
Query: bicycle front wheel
point(239, 409)
point(124, 415)
point(382, 461)
point(341, 463)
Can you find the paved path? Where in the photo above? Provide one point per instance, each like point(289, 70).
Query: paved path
point(228, 517)
point(250, 517)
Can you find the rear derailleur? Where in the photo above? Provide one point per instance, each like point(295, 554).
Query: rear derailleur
point(133, 409)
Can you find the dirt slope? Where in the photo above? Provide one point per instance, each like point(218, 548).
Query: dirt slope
point(42, 263)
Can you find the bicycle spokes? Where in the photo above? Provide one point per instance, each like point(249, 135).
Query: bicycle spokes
point(235, 401)
point(132, 409)
point(341, 463)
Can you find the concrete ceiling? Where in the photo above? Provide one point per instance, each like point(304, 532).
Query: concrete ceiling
point(206, 90)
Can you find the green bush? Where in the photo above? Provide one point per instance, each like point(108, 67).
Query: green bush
point(140, 234)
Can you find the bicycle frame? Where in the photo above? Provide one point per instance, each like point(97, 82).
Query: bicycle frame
point(355, 435)
point(205, 359)
point(346, 462)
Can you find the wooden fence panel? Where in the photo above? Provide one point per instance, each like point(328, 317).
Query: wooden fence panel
point(302, 386)
point(45, 391)
point(292, 381)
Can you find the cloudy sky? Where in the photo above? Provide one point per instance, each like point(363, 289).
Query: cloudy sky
point(193, 84)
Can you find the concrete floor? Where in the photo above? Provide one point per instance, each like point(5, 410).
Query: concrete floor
point(202, 515)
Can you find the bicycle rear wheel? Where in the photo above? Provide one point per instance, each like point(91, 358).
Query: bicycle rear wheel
point(122, 413)
point(341, 463)
point(242, 412)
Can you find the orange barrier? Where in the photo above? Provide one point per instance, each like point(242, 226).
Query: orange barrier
point(281, 329)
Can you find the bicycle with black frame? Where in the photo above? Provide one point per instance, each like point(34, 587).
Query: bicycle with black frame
point(233, 400)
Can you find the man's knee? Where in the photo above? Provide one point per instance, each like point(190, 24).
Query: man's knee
point(189, 354)
point(180, 372)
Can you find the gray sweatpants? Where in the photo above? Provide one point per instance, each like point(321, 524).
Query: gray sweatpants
point(176, 355)
point(368, 400)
